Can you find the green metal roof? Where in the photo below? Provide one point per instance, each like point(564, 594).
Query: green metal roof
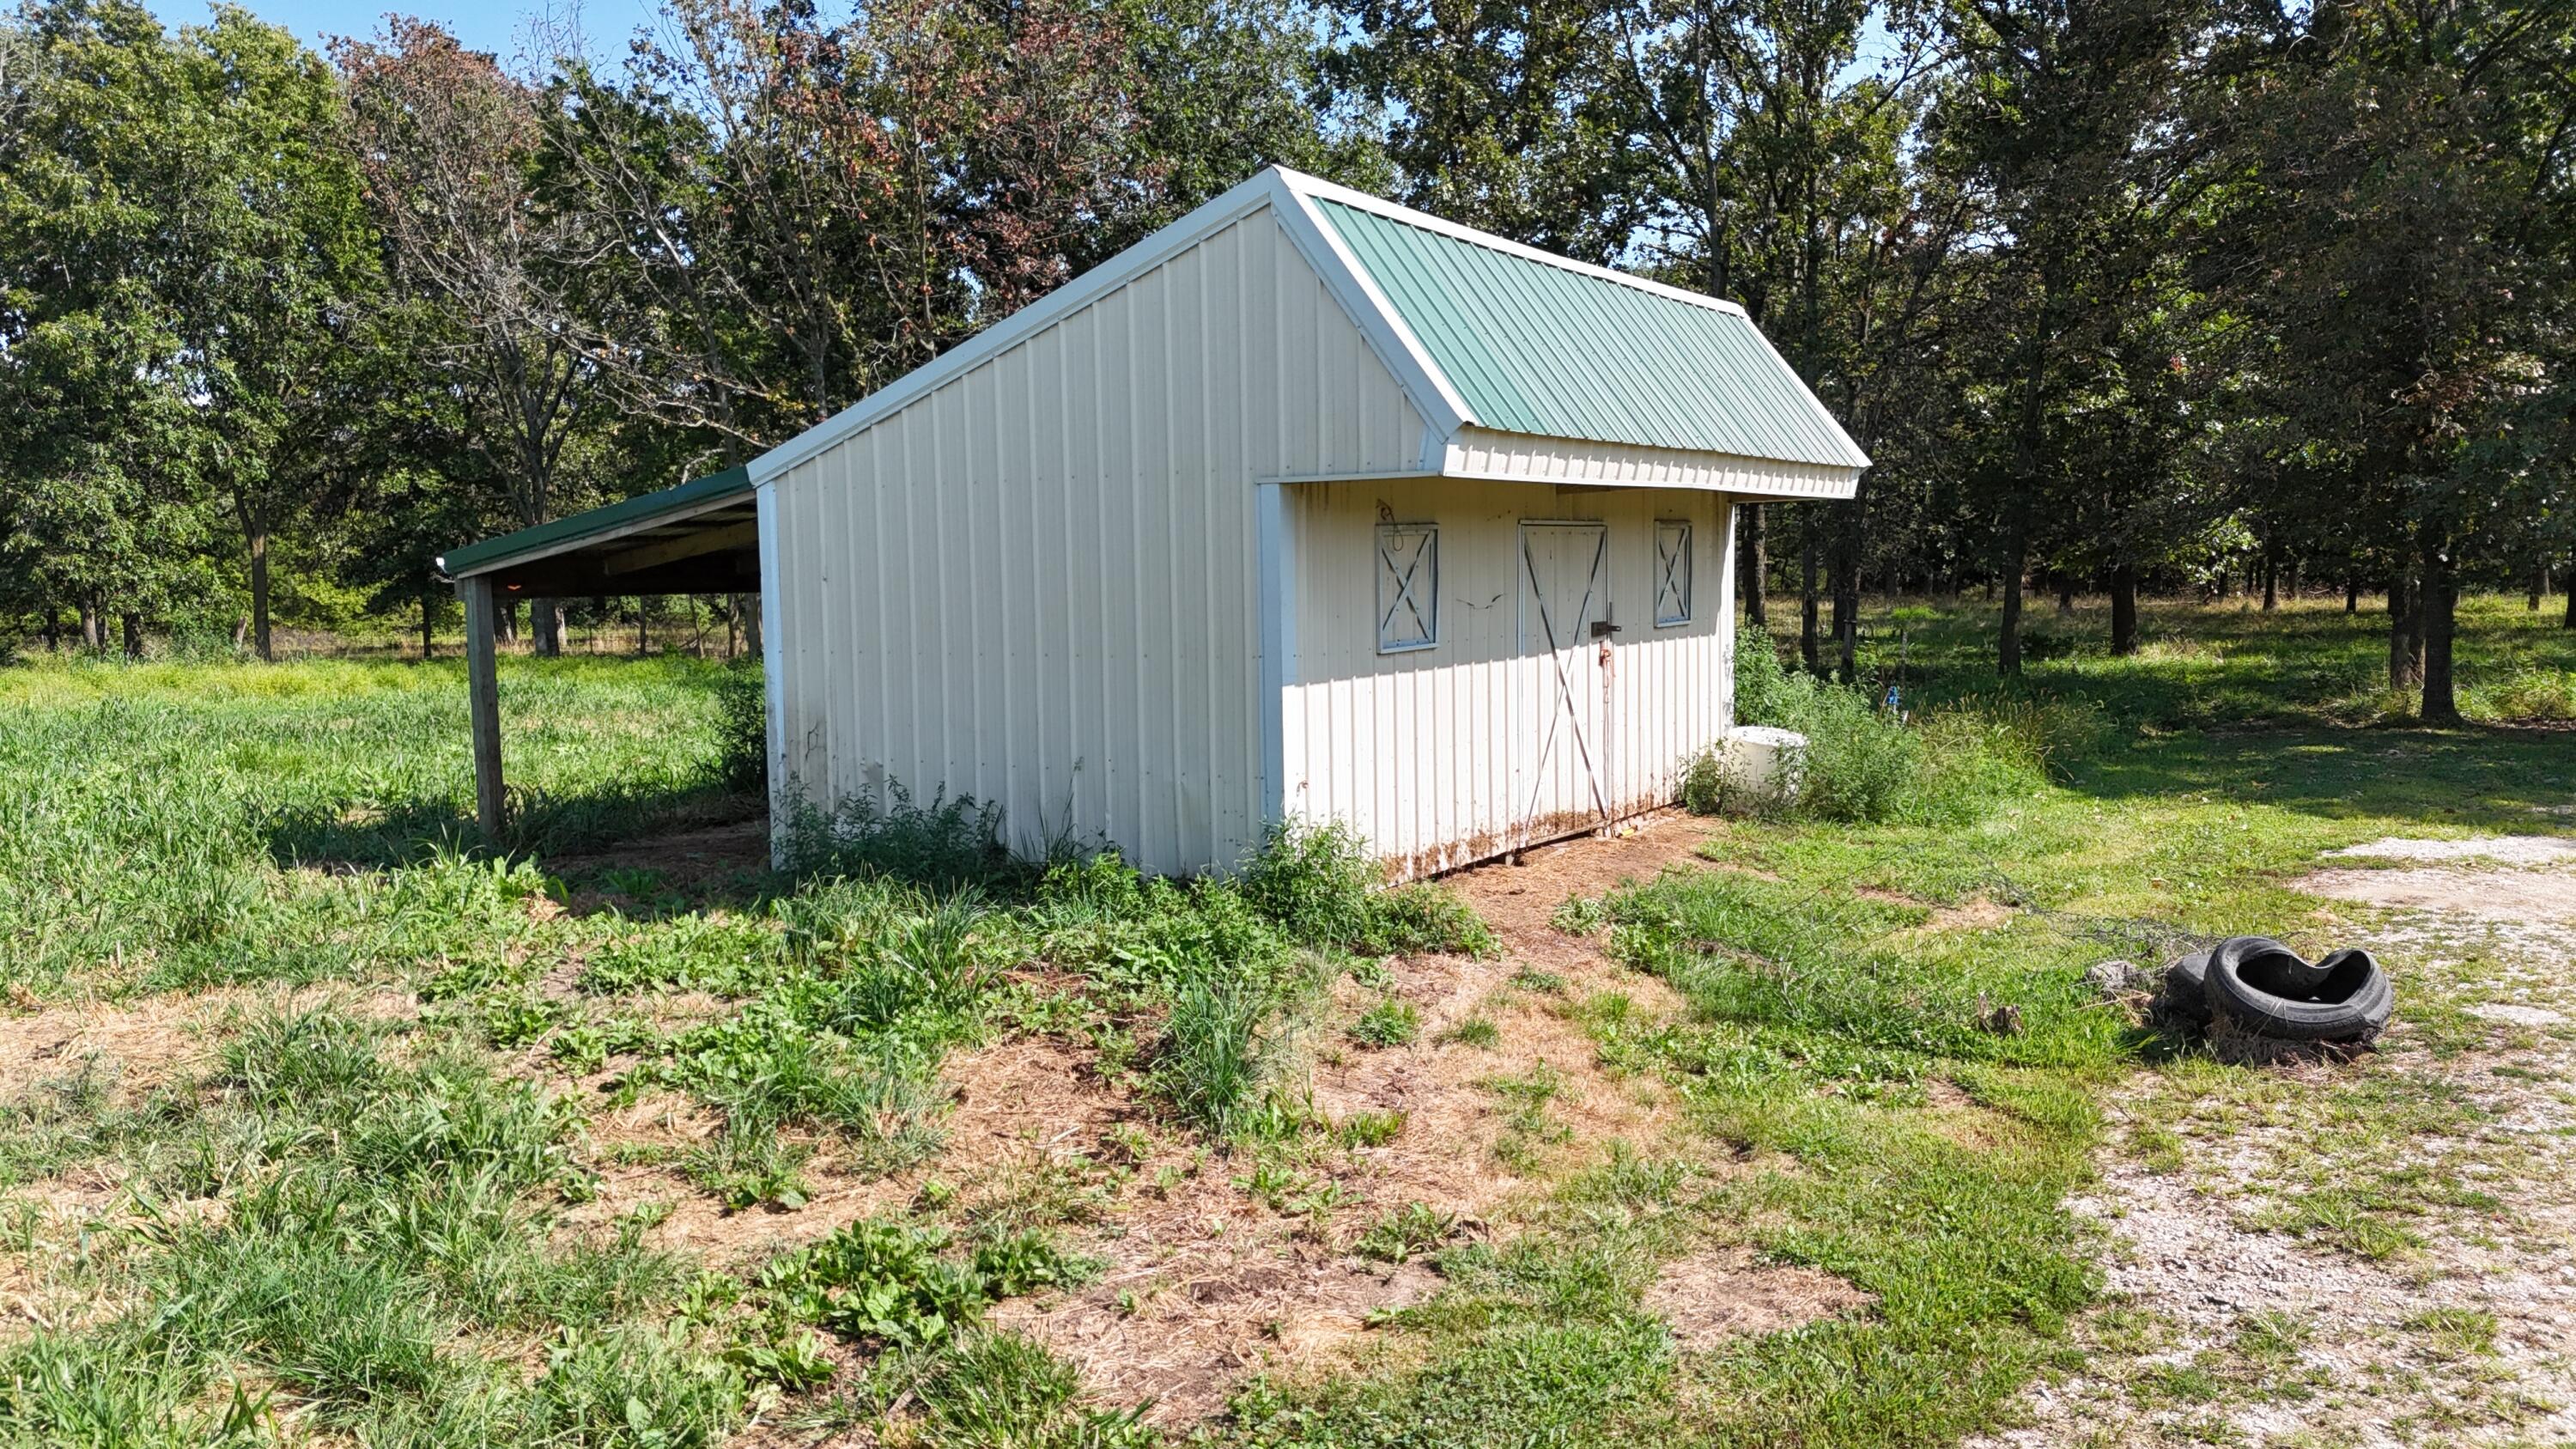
point(1535, 346)
point(627, 514)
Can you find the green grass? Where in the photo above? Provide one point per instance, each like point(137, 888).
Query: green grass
point(2125, 808)
point(171, 826)
point(357, 1224)
point(1391, 1023)
point(347, 1219)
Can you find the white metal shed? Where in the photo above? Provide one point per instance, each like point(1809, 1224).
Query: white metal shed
point(1308, 505)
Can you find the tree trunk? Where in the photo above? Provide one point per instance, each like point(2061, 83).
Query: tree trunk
point(2539, 585)
point(428, 644)
point(2437, 611)
point(93, 627)
point(2352, 596)
point(2065, 596)
point(1846, 609)
point(546, 620)
point(2008, 646)
point(259, 595)
point(2405, 645)
point(133, 623)
point(644, 626)
point(751, 624)
point(1756, 568)
point(1843, 570)
point(1809, 561)
point(2271, 584)
point(53, 630)
point(2124, 609)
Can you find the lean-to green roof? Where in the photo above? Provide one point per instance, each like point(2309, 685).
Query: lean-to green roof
point(1537, 346)
point(689, 497)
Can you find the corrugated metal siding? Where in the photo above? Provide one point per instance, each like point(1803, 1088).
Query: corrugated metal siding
point(1037, 585)
point(1427, 753)
point(1483, 453)
point(1544, 349)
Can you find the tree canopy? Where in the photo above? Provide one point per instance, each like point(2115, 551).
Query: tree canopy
point(2127, 294)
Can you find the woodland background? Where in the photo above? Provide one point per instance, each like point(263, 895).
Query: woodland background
point(2122, 295)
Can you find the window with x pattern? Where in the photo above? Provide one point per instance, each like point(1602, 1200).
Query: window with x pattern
point(1672, 572)
point(1408, 586)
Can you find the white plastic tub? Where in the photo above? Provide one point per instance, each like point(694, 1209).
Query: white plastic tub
point(1763, 763)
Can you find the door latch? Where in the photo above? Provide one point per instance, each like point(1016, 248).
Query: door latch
point(1603, 628)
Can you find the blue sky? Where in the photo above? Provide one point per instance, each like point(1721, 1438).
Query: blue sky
point(499, 26)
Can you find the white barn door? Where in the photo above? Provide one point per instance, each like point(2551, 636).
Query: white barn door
point(1565, 781)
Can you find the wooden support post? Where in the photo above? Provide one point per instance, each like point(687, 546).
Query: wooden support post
point(483, 694)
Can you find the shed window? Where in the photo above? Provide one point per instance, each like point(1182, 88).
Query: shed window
point(1672, 572)
point(1408, 586)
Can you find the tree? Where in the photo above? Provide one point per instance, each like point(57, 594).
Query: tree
point(811, 210)
point(1501, 116)
point(100, 449)
point(1230, 86)
point(272, 272)
point(452, 152)
point(1776, 165)
point(2064, 125)
point(2413, 220)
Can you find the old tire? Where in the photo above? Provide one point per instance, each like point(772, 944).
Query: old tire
point(2344, 998)
point(2272, 968)
point(2184, 997)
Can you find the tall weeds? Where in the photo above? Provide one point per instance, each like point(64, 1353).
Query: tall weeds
point(1865, 762)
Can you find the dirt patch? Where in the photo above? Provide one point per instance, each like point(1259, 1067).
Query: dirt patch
point(1454, 1115)
point(1210, 1280)
point(148, 1040)
point(2526, 897)
point(1977, 914)
point(1710, 1298)
point(1517, 898)
point(2514, 1015)
point(1025, 1108)
point(1184, 1332)
point(2501, 849)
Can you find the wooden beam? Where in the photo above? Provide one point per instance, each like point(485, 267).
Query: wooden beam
point(483, 704)
point(745, 534)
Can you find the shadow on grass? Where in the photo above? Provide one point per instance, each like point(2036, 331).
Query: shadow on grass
point(2307, 665)
point(541, 825)
point(2288, 709)
point(2487, 777)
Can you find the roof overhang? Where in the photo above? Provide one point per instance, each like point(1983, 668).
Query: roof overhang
point(701, 537)
point(1491, 456)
